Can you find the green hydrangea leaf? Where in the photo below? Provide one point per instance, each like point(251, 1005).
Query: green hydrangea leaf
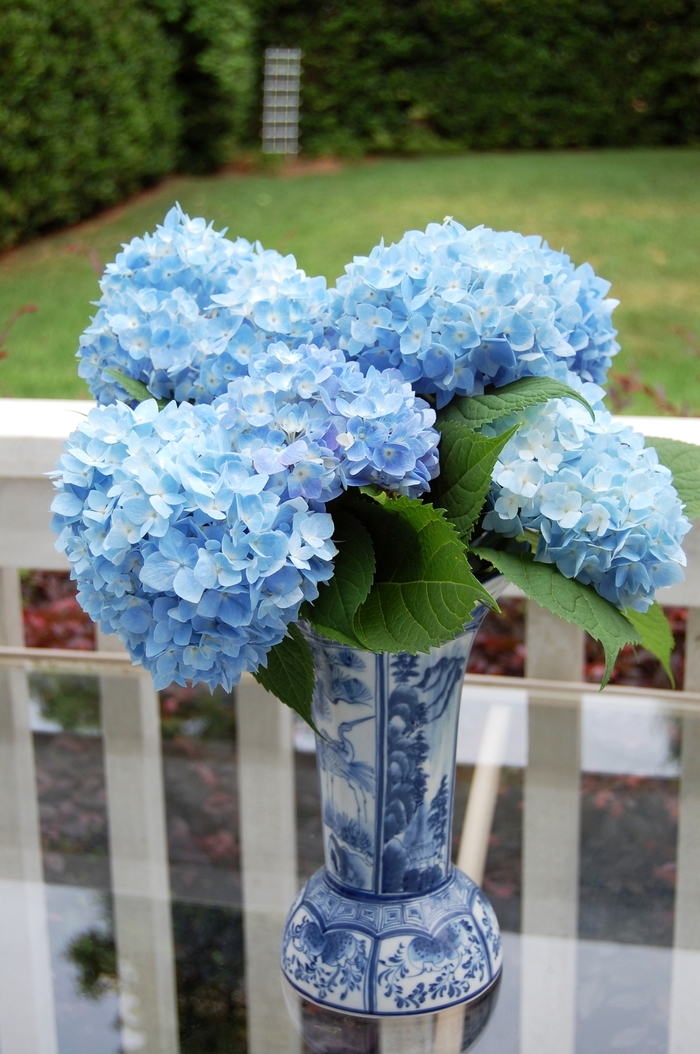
point(569, 599)
point(373, 491)
point(655, 633)
point(467, 460)
point(684, 461)
point(475, 411)
point(290, 673)
point(424, 590)
point(136, 389)
point(333, 613)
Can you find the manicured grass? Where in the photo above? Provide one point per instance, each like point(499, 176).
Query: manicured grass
point(635, 215)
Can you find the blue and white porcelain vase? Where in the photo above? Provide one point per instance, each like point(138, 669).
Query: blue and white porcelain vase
point(389, 926)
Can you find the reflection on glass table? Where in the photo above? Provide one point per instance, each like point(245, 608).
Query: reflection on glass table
point(325, 1031)
point(149, 851)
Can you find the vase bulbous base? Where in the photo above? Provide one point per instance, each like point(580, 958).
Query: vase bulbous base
point(384, 955)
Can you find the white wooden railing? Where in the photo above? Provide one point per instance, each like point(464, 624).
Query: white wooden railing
point(31, 440)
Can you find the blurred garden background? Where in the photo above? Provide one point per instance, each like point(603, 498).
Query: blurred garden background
point(579, 121)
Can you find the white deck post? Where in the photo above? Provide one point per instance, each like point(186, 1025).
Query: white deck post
point(474, 844)
point(139, 861)
point(684, 1024)
point(412, 1035)
point(27, 1015)
point(551, 824)
point(269, 859)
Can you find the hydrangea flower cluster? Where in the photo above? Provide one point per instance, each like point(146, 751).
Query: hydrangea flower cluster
point(456, 309)
point(160, 319)
point(196, 532)
point(180, 546)
point(310, 411)
point(604, 509)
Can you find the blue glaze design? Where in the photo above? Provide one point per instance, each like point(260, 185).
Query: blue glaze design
point(372, 954)
point(332, 963)
point(422, 712)
point(454, 961)
point(388, 926)
point(385, 755)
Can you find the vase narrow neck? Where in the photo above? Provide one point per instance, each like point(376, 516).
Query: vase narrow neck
point(386, 759)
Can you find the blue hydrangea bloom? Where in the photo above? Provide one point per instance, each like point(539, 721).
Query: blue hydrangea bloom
point(455, 310)
point(183, 309)
point(180, 546)
point(196, 532)
point(604, 509)
point(330, 425)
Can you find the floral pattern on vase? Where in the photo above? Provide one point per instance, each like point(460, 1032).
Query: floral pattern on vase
point(383, 956)
point(415, 973)
point(332, 963)
point(389, 926)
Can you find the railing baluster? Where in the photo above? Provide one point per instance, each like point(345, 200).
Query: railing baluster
point(27, 1014)
point(551, 823)
point(412, 1035)
point(474, 843)
point(554, 648)
point(483, 794)
point(139, 861)
point(30, 440)
point(269, 859)
point(684, 1024)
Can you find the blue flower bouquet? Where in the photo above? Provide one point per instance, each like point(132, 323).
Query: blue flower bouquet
point(266, 449)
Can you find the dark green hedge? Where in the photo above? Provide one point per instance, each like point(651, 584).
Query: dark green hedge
point(98, 97)
point(392, 75)
point(88, 111)
point(214, 78)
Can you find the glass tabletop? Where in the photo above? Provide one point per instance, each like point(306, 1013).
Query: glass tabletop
point(150, 849)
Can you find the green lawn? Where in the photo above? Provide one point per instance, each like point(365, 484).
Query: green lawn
point(635, 215)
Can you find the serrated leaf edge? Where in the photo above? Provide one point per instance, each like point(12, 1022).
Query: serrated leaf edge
point(610, 659)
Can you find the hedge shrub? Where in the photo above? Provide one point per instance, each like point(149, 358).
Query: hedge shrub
point(98, 97)
point(431, 74)
point(88, 111)
point(214, 77)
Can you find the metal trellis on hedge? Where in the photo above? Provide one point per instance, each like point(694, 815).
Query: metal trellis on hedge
point(280, 125)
